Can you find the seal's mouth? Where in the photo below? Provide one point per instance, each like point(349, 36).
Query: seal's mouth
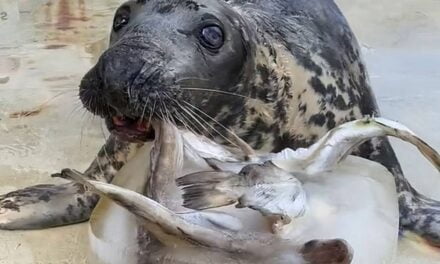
point(133, 130)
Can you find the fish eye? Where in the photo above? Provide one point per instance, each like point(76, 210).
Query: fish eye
point(212, 37)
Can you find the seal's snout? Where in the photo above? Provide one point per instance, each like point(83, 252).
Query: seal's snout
point(169, 60)
point(125, 86)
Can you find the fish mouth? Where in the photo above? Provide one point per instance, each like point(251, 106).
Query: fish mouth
point(135, 130)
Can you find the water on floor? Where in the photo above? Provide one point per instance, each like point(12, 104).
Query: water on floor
point(47, 45)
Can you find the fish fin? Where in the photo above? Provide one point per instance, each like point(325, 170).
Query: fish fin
point(400, 131)
point(211, 189)
point(339, 142)
point(200, 198)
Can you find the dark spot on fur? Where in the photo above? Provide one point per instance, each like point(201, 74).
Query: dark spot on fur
point(305, 60)
point(318, 86)
point(11, 206)
point(20, 193)
point(334, 62)
point(192, 5)
point(317, 119)
point(118, 165)
point(331, 93)
point(165, 9)
point(70, 209)
point(384, 154)
point(80, 202)
point(256, 132)
point(330, 120)
point(264, 72)
point(367, 104)
point(340, 84)
point(287, 140)
point(281, 111)
point(272, 53)
point(44, 197)
point(92, 200)
point(302, 108)
point(340, 103)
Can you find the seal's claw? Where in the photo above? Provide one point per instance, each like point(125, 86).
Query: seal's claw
point(65, 174)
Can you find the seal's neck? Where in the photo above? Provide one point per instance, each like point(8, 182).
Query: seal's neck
point(272, 106)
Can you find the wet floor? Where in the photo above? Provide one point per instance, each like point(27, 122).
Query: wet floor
point(46, 47)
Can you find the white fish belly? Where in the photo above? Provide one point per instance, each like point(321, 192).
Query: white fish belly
point(356, 202)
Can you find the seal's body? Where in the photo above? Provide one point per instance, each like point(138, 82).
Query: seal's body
point(278, 73)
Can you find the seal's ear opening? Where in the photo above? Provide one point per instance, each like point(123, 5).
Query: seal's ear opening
point(335, 251)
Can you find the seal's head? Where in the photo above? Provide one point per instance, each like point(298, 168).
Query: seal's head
point(169, 59)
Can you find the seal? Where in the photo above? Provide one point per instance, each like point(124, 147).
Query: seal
point(278, 73)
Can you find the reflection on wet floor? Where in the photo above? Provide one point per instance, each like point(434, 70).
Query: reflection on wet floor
point(45, 48)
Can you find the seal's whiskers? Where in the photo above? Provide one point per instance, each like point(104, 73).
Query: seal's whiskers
point(211, 126)
point(237, 141)
point(215, 91)
point(197, 120)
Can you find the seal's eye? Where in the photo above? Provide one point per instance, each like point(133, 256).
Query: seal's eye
point(212, 37)
point(119, 22)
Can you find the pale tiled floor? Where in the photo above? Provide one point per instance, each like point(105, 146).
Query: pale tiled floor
point(47, 47)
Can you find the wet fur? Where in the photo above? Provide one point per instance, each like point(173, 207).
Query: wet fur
point(298, 74)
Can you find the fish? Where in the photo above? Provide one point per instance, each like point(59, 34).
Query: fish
point(196, 201)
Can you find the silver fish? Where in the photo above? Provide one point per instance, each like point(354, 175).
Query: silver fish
point(315, 205)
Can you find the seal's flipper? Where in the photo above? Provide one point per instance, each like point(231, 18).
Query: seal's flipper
point(336, 251)
point(51, 205)
point(43, 206)
point(272, 191)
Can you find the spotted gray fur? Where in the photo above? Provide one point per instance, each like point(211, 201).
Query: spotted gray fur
point(50, 205)
point(288, 71)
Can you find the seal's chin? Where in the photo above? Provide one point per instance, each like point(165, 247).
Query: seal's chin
point(132, 130)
